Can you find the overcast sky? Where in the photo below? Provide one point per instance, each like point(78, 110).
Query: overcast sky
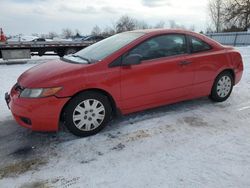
point(42, 16)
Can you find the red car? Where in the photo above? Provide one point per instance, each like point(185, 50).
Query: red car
point(125, 73)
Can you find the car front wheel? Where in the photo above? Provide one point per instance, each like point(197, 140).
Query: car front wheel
point(87, 113)
point(222, 87)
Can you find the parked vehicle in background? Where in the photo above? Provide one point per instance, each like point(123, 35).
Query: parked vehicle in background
point(26, 39)
point(22, 47)
point(14, 49)
point(93, 38)
point(39, 40)
point(125, 73)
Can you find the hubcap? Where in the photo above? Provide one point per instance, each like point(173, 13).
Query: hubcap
point(88, 115)
point(224, 86)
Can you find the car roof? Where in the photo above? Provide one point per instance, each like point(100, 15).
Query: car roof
point(153, 32)
point(163, 31)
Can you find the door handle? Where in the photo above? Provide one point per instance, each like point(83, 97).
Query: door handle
point(185, 63)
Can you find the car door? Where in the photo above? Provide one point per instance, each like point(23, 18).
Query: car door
point(162, 76)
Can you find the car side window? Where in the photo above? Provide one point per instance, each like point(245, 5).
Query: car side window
point(198, 45)
point(161, 46)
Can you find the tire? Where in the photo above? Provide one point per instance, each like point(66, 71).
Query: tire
point(87, 113)
point(222, 87)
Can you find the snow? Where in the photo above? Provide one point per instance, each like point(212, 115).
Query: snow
point(195, 143)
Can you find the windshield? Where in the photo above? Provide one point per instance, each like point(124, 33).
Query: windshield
point(104, 48)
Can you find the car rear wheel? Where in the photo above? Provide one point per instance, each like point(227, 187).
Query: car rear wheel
point(222, 87)
point(87, 113)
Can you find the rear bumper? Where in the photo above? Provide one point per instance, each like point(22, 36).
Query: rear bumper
point(40, 114)
point(238, 76)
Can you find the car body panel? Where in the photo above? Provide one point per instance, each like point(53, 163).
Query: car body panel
point(50, 74)
point(42, 112)
point(207, 65)
point(164, 77)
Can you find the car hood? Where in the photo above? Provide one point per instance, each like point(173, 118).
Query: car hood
point(50, 74)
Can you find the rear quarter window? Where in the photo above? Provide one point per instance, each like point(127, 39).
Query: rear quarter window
point(198, 45)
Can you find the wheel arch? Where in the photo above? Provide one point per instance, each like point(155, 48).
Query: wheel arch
point(115, 110)
point(230, 70)
point(213, 94)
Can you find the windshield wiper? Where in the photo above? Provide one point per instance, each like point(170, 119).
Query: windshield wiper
point(83, 58)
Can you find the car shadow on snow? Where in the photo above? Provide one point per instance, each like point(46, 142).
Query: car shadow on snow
point(22, 148)
point(10, 129)
point(20, 142)
point(180, 107)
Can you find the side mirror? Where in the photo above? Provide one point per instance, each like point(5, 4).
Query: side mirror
point(133, 59)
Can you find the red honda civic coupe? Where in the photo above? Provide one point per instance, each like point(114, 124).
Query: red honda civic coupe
point(124, 73)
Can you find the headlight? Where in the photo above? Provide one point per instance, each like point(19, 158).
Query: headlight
point(39, 92)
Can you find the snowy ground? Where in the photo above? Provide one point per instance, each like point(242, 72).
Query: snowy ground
point(190, 144)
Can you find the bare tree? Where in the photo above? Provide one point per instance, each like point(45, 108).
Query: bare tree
point(215, 8)
point(52, 35)
point(141, 25)
point(174, 25)
point(125, 23)
point(209, 30)
point(160, 24)
point(108, 31)
point(96, 30)
point(67, 33)
point(192, 28)
point(77, 32)
point(237, 13)
point(35, 34)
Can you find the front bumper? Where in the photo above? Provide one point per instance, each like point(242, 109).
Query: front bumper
point(38, 114)
point(7, 99)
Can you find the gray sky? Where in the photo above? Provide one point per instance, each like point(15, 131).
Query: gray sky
point(42, 16)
